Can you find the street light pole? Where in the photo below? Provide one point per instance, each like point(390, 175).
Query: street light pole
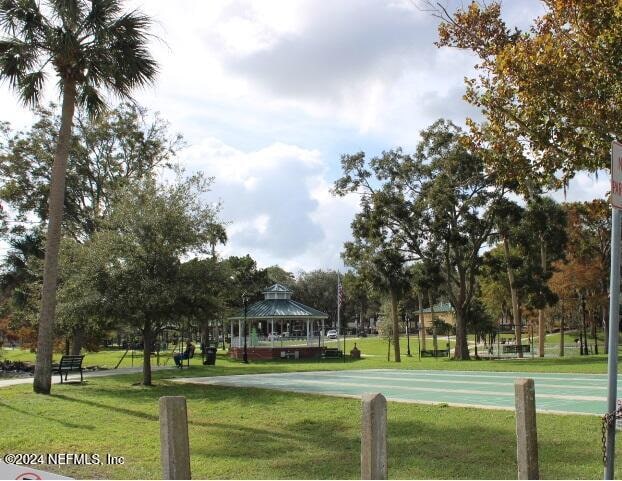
point(245, 301)
point(408, 336)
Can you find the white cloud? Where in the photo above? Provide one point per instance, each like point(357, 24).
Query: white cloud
point(277, 201)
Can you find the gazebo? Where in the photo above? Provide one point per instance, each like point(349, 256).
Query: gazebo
point(278, 327)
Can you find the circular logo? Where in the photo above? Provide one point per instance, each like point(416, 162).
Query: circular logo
point(28, 476)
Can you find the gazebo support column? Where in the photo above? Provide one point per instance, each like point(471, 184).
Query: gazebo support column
point(231, 343)
point(319, 334)
point(322, 332)
point(240, 333)
point(308, 332)
point(272, 331)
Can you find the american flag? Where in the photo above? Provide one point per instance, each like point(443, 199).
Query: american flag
point(340, 296)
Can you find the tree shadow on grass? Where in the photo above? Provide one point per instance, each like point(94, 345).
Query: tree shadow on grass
point(65, 423)
point(114, 408)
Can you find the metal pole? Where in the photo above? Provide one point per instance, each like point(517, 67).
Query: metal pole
point(408, 337)
point(245, 356)
point(338, 313)
point(614, 321)
point(344, 345)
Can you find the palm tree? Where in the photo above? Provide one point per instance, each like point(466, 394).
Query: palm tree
point(90, 46)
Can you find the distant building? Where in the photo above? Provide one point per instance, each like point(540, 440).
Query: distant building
point(442, 311)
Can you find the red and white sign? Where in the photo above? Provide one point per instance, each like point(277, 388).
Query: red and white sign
point(616, 175)
point(14, 471)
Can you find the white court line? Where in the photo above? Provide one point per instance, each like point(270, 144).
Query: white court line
point(416, 373)
point(339, 375)
point(284, 382)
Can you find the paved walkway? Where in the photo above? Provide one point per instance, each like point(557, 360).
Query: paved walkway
point(87, 374)
point(555, 393)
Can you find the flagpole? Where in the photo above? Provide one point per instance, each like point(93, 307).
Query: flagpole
point(338, 310)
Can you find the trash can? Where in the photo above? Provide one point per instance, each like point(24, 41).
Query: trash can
point(210, 356)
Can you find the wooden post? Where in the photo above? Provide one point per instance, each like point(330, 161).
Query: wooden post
point(526, 432)
point(174, 443)
point(374, 437)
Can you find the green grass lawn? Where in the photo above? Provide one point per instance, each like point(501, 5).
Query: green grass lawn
point(255, 433)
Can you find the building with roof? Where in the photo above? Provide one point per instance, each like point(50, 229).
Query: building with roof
point(278, 327)
point(442, 311)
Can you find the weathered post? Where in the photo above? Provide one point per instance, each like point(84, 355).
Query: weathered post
point(174, 443)
point(526, 431)
point(374, 437)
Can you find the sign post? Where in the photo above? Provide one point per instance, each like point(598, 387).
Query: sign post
point(614, 304)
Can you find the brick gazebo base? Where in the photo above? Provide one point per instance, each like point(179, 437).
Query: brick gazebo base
point(266, 353)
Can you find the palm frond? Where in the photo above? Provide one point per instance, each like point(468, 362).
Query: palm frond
point(16, 58)
point(121, 55)
point(71, 13)
point(90, 99)
point(22, 19)
point(101, 14)
point(29, 87)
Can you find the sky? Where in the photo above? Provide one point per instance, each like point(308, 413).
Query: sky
point(268, 95)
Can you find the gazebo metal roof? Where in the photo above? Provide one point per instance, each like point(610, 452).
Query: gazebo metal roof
point(440, 307)
point(277, 288)
point(281, 307)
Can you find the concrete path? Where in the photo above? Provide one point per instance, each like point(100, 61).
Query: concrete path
point(555, 393)
point(87, 374)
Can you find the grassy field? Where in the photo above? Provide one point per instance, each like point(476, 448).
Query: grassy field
point(254, 433)
point(374, 351)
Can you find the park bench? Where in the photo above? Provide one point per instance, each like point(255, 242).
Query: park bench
point(68, 364)
point(435, 353)
point(332, 353)
point(513, 348)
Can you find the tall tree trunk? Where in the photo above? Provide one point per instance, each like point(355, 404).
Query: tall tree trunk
point(514, 294)
point(605, 313)
point(461, 351)
point(594, 317)
point(77, 341)
point(361, 326)
point(147, 346)
point(562, 333)
point(421, 321)
point(584, 321)
point(396, 325)
point(541, 327)
point(45, 342)
point(434, 338)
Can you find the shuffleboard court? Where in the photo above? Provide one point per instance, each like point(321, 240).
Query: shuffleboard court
point(555, 393)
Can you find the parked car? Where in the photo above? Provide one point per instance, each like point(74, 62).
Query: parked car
point(331, 334)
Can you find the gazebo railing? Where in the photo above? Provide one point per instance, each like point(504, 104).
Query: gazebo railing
point(278, 341)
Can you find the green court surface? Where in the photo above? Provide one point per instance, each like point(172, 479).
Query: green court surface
point(555, 393)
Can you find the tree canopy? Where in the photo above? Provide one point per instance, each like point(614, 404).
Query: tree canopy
point(550, 94)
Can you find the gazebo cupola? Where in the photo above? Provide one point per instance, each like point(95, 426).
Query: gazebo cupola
point(277, 291)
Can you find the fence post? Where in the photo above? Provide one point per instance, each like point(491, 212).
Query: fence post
point(374, 437)
point(526, 431)
point(174, 443)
